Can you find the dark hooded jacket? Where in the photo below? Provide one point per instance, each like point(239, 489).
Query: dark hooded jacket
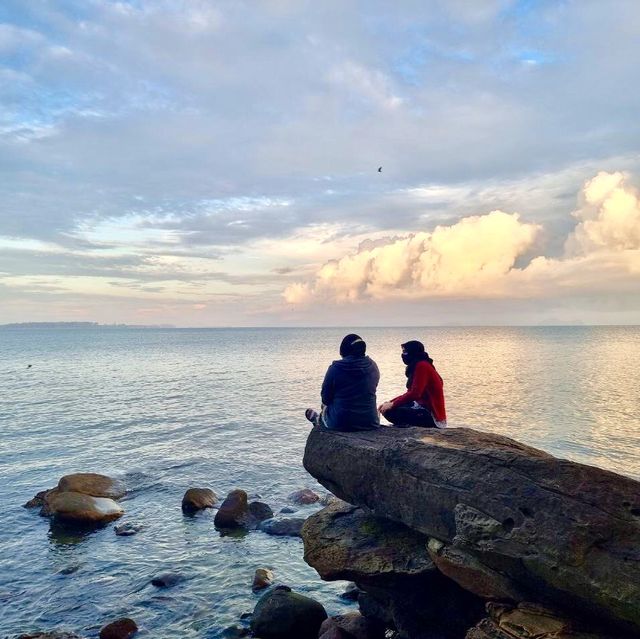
point(349, 394)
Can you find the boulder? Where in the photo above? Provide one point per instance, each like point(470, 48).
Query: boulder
point(556, 530)
point(234, 511)
point(259, 511)
point(262, 579)
point(529, 621)
point(289, 527)
point(37, 501)
point(283, 614)
point(123, 628)
point(79, 508)
point(352, 624)
point(343, 541)
point(304, 496)
point(197, 499)
point(92, 484)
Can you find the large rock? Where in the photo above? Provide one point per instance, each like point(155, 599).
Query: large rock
point(78, 508)
point(198, 499)
point(234, 511)
point(527, 621)
point(283, 614)
point(353, 625)
point(287, 527)
point(92, 484)
point(342, 541)
point(123, 628)
point(558, 530)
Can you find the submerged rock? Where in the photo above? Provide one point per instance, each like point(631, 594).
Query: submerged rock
point(351, 593)
point(79, 508)
point(557, 531)
point(198, 499)
point(127, 529)
point(290, 527)
point(259, 511)
point(283, 614)
point(92, 484)
point(262, 579)
point(123, 628)
point(53, 634)
point(167, 579)
point(304, 496)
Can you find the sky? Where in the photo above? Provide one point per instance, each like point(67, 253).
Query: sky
point(204, 163)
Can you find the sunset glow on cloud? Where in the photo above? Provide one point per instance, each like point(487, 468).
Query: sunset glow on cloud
point(211, 164)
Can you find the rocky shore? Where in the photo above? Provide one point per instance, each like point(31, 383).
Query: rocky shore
point(459, 533)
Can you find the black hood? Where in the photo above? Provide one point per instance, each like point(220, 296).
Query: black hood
point(354, 363)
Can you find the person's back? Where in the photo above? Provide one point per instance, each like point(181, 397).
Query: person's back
point(349, 394)
point(349, 390)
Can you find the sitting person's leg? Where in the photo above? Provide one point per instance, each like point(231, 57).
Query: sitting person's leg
point(408, 416)
point(315, 417)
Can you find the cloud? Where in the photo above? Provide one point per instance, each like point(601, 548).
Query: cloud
point(478, 256)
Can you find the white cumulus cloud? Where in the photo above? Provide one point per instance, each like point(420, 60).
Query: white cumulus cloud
point(478, 256)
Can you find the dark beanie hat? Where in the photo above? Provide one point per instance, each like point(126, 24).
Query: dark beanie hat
point(352, 345)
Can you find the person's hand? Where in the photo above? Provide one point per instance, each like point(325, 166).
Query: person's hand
point(384, 407)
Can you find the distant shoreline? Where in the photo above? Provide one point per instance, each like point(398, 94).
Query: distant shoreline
point(97, 325)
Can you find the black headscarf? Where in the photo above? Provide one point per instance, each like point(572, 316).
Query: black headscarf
point(352, 346)
point(415, 353)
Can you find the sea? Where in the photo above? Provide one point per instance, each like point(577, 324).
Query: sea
point(169, 409)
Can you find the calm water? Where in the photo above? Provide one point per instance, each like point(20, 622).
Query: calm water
point(170, 409)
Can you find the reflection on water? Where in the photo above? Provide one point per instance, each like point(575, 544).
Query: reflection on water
point(171, 409)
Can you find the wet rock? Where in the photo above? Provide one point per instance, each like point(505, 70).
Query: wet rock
point(37, 501)
point(167, 579)
point(197, 499)
point(123, 628)
point(263, 578)
point(69, 570)
point(234, 511)
point(304, 496)
point(79, 508)
point(287, 510)
point(283, 614)
point(329, 499)
point(92, 484)
point(351, 593)
point(562, 532)
point(259, 511)
point(290, 527)
point(127, 529)
point(344, 542)
point(352, 624)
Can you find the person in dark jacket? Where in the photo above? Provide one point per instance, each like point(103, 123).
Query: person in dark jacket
point(423, 403)
point(349, 390)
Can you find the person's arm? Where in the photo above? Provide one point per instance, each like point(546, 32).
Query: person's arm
point(418, 386)
point(328, 386)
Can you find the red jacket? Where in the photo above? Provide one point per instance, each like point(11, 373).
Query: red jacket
point(426, 389)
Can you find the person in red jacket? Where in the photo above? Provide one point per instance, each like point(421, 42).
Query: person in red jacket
point(423, 403)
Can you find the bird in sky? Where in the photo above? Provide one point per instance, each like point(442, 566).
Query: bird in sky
point(379, 169)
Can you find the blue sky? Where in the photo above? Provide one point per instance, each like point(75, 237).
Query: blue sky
point(215, 163)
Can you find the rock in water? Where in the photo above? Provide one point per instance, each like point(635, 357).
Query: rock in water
point(54, 634)
point(259, 511)
point(282, 614)
point(197, 499)
point(167, 580)
point(37, 501)
point(262, 579)
point(92, 484)
point(290, 527)
point(123, 628)
point(558, 531)
point(234, 511)
point(304, 496)
point(353, 624)
point(127, 529)
point(344, 542)
point(78, 508)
